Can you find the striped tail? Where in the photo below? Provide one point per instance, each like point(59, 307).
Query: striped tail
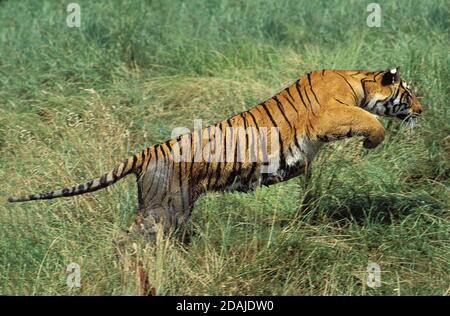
point(131, 165)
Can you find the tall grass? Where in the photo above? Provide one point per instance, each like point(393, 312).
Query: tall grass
point(75, 101)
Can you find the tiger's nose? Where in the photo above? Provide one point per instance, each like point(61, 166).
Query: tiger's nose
point(416, 110)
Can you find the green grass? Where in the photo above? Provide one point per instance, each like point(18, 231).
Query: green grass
point(75, 102)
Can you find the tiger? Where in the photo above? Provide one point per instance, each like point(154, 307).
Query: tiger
point(269, 143)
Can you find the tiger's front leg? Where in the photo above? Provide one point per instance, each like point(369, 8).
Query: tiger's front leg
point(342, 121)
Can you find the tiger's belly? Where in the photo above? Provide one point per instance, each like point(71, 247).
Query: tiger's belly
point(297, 158)
point(293, 162)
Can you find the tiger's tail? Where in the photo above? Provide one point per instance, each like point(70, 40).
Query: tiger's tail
point(131, 165)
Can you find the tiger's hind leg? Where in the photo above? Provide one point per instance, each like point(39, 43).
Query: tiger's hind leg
point(151, 223)
point(164, 206)
point(165, 199)
point(167, 217)
point(155, 220)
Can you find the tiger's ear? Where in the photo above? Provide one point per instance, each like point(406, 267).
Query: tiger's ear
point(391, 76)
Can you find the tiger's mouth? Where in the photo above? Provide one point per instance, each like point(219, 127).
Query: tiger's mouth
point(410, 119)
point(404, 117)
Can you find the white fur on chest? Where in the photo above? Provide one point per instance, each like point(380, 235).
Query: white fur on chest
point(302, 154)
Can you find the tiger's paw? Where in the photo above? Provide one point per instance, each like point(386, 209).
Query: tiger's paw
point(375, 138)
point(369, 144)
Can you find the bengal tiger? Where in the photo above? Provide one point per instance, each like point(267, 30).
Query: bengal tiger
point(271, 142)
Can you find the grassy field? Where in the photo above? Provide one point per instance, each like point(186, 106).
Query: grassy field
point(76, 101)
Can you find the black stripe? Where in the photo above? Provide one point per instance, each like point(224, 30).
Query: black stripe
point(134, 162)
point(225, 144)
point(280, 107)
point(291, 104)
point(244, 120)
point(180, 180)
point(138, 171)
point(103, 180)
point(377, 74)
point(269, 114)
point(147, 159)
point(282, 161)
point(254, 146)
point(363, 81)
point(208, 162)
point(288, 91)
point(396, 94)
point(402, 96)
point(262, 143)
point(235, 162)
point(156, 168)
point(232, 140)
point(179, 143)
point(297, 144)
point(89, 185)
point(395, 108)
point(232, 177)
point(309, 101)
point(114, 173)
point(363, 102)
point(254, 120)
point(251, 173)
point(208, 142)
point(165, 169)
point(340, 101)
point(237, 166)
point(310, 85)
point(219, 164)
point(167, 143)
point(162, 152)
point(191, 167)
point(300, 94)
point(351, 87)
point(230, 128)
point(382, 101)
point(43, 196)
point(350, 132)
point(140, 199)
point(193, 149)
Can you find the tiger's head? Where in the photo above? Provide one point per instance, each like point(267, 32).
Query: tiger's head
point(388, 95)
